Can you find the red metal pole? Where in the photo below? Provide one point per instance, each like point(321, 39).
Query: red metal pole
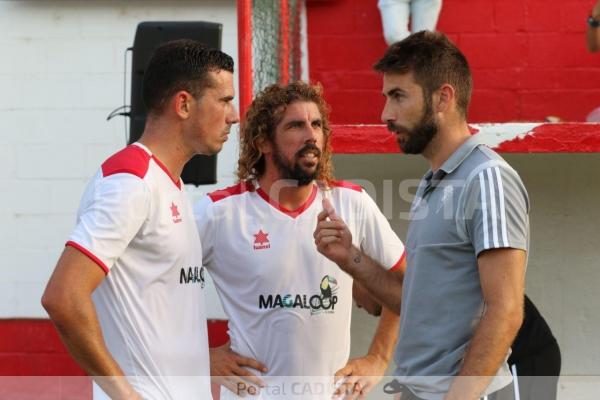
point(244, 11)
point(284, 46)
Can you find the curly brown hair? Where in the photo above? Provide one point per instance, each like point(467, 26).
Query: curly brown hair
point(262, 118)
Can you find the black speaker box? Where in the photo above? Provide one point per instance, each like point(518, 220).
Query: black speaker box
point(200, 170)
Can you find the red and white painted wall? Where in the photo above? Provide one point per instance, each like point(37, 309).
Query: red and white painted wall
point(62, 73)
point(528, 57)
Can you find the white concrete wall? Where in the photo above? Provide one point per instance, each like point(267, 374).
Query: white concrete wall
point(563, 275)
point(61, 73)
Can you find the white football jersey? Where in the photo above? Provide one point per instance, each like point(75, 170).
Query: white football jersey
point(288, 306)
point(136, 223)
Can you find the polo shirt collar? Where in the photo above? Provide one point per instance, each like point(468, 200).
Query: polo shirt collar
point(432, 179)
point(461, 154)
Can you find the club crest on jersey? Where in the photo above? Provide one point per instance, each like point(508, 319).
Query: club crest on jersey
point(322, 302)
point(261, 240)
point(175, 213)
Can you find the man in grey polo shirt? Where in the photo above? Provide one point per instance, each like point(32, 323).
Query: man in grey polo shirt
point(462, 294)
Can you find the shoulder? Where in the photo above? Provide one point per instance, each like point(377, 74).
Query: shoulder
point(485, 164)
point(351, 195)
point(231, 191)
point(216, 204)
point(132, 160)
point(345, 185)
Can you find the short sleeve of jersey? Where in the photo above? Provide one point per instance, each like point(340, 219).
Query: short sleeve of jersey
point(378, 239)
point(496, 209)
point(203, 213)
point(112, 211)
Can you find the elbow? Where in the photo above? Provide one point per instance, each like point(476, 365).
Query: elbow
point(56, 304)
point(50, 303)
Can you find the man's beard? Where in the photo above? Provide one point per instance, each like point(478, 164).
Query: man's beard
point(420, 135)
point(295, 171)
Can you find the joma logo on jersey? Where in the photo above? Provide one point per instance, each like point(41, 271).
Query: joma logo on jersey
point(323, 302)
point(192, 275)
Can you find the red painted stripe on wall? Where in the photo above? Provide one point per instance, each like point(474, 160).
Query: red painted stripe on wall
point(505, 138)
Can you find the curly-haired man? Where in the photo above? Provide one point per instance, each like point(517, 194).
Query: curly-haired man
point(288, 306)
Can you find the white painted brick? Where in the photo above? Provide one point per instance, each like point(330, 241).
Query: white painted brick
point(8, 299)
point(10, 128)
point(29, 197)
point(57, 161)
point(59, 91)
point(26, 265)
point(44, 196)
point(40, 91)
point(66, 195)
point(11, 92)
point(77, 55)
point(63, 76)
point(43, 232)
point(102, 90)
point(7, 162)
point(28, 299)
point(8, 228)
point(59, 127)
point(40, 19)
point(22, 56)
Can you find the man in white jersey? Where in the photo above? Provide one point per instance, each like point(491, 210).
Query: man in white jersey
point(126, 294)
point(467, 242)
point(288, 306)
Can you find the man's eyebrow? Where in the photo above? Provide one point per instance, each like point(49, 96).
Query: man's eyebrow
point(293, 122)
point(393, 91)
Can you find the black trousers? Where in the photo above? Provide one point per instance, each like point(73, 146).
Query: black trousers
point(506, 393)
point(538, 374)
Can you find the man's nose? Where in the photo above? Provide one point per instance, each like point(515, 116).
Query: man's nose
point(387, 114)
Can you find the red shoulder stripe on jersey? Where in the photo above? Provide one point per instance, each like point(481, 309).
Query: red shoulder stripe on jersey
point(399, 262)
point(88, 254)
point(347, 185)
point(131, 160)
point(240, 188)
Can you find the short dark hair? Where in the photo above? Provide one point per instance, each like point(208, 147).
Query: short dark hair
point(433, 60)
point(180, 65)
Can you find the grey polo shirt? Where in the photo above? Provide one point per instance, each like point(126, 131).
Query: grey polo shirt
point(474, 202)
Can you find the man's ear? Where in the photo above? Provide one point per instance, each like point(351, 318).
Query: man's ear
point(181, 103)
point(443, 98)
point(265, 146)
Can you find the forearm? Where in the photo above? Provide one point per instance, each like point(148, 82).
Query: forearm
point(80, 331)
point(384, 286)
point(488, 349)
point(382, 345)
point(593, 34)
point(593, 39)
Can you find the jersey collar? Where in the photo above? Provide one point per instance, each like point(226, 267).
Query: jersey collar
point(160, 164)
point(291, 213)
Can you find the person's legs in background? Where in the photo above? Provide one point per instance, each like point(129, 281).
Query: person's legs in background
point(538, 373)
point(424, 14)
point(394, 18)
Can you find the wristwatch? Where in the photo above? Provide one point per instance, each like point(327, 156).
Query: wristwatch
point(593, 22)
